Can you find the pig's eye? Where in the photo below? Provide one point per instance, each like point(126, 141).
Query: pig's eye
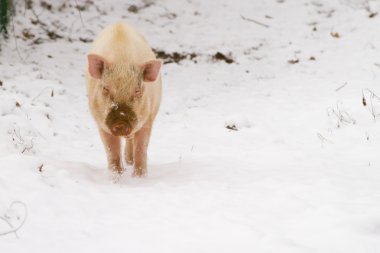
point(106, 91)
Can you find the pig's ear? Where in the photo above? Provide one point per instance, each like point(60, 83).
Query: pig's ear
point(96, 65)
point(151, 70)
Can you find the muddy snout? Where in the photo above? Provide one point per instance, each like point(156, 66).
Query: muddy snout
point(121, 120)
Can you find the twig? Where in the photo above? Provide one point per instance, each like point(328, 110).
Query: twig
point(12, 228)
point(372, 93)
point(323, 139)
point(80, 13)
point(28, 147)
point(377, 64)
point(19, 140)
point(16, 44)
point(254, 21)
point(39, 94)
point(341, 87)
point(18, 135)
point(50, 33)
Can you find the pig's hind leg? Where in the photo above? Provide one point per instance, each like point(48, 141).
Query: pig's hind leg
point(112, 147)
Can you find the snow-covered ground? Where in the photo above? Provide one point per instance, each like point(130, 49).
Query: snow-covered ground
point(272, 153)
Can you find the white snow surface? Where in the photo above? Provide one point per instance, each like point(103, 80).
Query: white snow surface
point(299, 171)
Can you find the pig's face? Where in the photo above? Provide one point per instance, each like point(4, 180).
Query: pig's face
point(119, 92)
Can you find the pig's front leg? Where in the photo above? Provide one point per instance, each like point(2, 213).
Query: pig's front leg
point(129, 151)
point(112, 147)
point(140, 146)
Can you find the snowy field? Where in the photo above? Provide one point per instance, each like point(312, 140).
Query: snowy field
point(274, 152)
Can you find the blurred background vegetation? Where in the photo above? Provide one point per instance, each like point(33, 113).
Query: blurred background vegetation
point(6, 10)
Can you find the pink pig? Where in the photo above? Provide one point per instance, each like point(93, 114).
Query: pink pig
point(124, 92)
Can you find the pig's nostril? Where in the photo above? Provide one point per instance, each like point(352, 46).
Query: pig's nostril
point(120, 130)
point(116, 129)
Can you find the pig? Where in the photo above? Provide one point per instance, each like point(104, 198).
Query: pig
point(124, 94)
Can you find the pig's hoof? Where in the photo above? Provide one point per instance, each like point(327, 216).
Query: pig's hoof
point(117, 170)
point(139, 173)
point(129, 162)
point(116, 177)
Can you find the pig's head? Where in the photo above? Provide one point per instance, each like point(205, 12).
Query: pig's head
point(119, 92)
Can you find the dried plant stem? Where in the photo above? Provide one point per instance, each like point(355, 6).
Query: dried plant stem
point(371, 107)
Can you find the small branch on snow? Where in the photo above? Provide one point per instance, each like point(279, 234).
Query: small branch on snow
point(254, 21)
point(6, 219)
point(39, 94)
point(341, 116)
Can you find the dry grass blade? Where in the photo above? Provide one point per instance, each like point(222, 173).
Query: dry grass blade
point(341, 116)
point(254, 21)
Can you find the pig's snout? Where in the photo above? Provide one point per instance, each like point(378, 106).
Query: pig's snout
point(120, 129)
point(121, 120)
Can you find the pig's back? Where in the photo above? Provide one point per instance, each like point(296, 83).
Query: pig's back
point(120, 43)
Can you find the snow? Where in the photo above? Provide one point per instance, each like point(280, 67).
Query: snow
point(299, 173)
